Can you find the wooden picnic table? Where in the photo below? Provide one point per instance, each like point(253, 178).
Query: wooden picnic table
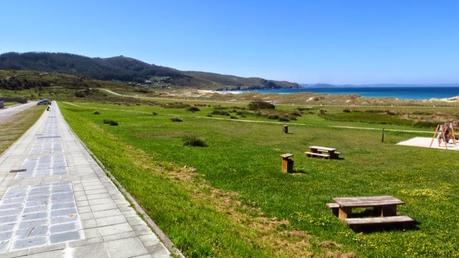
point(323, 152)
point(383, 205)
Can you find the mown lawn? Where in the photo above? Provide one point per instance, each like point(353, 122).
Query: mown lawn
point(243, 157)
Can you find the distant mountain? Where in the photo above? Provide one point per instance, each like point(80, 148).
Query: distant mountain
point(127, 69)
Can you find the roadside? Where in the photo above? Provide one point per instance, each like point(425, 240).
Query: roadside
point(12, 110)
point(16, 123)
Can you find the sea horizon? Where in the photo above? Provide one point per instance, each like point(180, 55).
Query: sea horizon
point(414, 92)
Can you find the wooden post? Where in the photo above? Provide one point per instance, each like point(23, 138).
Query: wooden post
point(433, 137)
point(285, 128)
point(287, 163)
point(382, 136)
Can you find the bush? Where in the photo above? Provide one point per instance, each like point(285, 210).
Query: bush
point(346, 110)
point(295, 114)
point(82, 93)
point(194, 141)
point(273, 117)
point(193, 109)
point(110, 122)
point(176, 119)
point(175, 105)
point(301, 109)
point(96, 113)
point(233, 117)
point(220, 112)
point(284, 119)
point(154, 113)
point(260, 104)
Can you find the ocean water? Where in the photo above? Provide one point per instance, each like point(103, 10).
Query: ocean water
point(413, 92)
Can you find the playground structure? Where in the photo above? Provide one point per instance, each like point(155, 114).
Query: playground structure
point(444, 133)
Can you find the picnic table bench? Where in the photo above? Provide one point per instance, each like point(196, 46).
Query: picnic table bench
point(384, 207)
point(322, 152)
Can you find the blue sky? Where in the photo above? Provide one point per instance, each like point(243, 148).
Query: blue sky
point(305, 41)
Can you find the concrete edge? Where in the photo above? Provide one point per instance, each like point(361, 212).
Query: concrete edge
point(154, 227)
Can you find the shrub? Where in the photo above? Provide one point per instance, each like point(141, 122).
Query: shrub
point(194, 141)
point(96, 113)
point(176, 119)
point(154, 113)
point(295, 114)
point(110, 122)
point(284, 119)
point(273, 117)
point(81, 93)
point(175, 105)
point(220, 112)
point(233, 117)
point(346, 110)
point(425, 124)
point(193, 109)
point(301, 109)
point(260, 104)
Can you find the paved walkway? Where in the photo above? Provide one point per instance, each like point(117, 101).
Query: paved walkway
point(57, 202)
point(425, 142)
point(5, 113)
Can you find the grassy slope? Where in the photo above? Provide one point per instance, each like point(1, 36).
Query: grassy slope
point(15, 126)
point(244, 158)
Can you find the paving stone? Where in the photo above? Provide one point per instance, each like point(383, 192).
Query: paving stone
point(5, 235)
point(32, 232)
point(130, 247)
point(66, 236)
point(34, 216)
point(26, 243)
point(110, 220)
point(114, 229)
point(7, 219)
point(7, 227)
point(95, 250)
point(63, 227)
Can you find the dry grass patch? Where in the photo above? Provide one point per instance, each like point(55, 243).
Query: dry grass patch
point(15, 126)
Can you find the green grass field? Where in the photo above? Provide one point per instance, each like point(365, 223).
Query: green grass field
point(230, 199)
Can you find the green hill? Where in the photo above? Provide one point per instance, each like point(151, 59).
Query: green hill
point(127, 69)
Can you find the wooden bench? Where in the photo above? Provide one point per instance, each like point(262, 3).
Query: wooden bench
point(379, 220)
point(319, 155)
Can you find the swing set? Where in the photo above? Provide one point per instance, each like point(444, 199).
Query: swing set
point(444, 133)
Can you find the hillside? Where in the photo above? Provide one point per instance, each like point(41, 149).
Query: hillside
point(127, 69)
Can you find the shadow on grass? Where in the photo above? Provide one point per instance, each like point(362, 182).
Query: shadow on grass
point(298, 171)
